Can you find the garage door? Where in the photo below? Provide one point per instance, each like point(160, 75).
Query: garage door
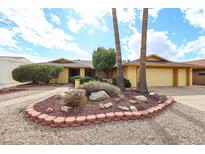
point(182, 77)
point(159, 77)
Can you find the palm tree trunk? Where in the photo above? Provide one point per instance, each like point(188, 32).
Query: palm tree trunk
point(120, 77)
point(142, 83)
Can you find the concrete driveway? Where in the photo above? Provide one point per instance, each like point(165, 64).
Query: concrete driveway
point(192, 96)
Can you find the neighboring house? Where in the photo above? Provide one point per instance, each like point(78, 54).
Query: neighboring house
point(7, 64)
point(160, 71)
point(198, 71)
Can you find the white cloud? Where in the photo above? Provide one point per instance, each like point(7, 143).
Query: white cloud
point(196, 47)
point(88, 17)
point(55, 18)
point(126, 15)
point(7, 38)
point(154, 12)
point(32, 26)
point(157, 42)
point(195, 17)
point(96, 18)
point(74, 25)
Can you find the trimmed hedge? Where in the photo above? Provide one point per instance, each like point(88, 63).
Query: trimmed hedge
point(87, 79)
point(36, 73)
point(126, 82)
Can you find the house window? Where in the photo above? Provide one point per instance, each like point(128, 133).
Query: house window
point(201, 73)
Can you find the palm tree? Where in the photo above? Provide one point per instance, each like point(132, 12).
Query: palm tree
point(142, 83)
point(120, 78)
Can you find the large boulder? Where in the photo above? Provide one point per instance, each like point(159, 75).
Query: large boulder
point(99, 96)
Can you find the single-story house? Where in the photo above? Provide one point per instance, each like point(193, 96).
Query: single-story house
point(160, 71)
point(198, 72)
point(72, 68)
point(7, 64)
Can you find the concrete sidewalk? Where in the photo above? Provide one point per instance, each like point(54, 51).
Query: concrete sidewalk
point(192, 96)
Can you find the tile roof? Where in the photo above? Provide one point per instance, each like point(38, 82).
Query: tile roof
point(200, 62)
point(12, 58)
point(71, 63)
point(161, 62)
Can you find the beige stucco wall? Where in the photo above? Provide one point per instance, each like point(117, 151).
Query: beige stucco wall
point(132, 75)
point(155, 76)
point(63, 76)
point(189, 76)
point(82, 72)
point(159, 76)
point(182, 77)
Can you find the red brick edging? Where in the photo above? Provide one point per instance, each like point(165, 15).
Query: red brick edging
point(59, 121)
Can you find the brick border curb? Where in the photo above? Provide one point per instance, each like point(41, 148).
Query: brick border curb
point(74, 121)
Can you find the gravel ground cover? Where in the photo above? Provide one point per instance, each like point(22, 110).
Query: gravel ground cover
point(29, 90)
point(178, 124)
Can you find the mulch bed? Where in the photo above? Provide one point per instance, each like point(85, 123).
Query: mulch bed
point(93, 107)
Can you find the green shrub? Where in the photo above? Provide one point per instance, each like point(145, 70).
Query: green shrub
point(87, 79)
point(95, 86)
point(75, 98)
point(36, 73)
point(75, 77)
point(126, 82)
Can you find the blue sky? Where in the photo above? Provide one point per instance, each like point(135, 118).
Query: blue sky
point(45, 34)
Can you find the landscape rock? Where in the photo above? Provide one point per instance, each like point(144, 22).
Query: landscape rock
point(65, 108)
point(132, 101)
point(159, 102)
point(99, 96)
point(49, 110)
point(124, 108)
point(107, 105)
point(152, 93)
point(101, 106)
point(141, 98)
point(133, 108)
